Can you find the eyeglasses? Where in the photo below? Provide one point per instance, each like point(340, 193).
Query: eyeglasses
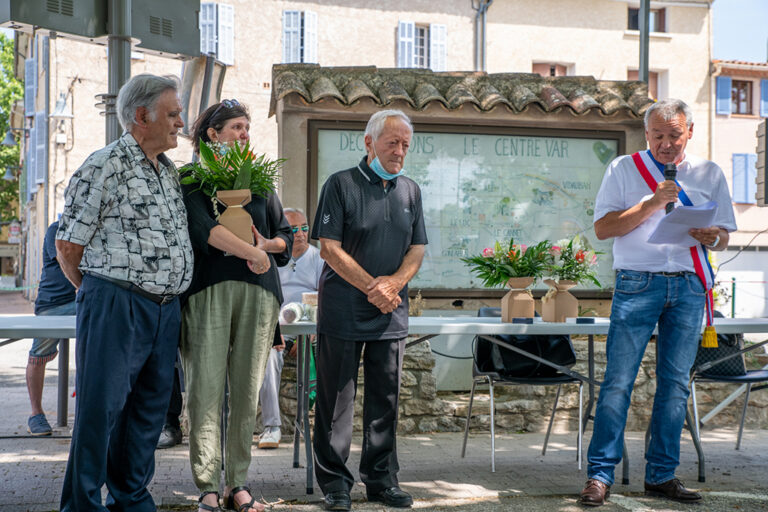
point(304, 228)
point(225, 103)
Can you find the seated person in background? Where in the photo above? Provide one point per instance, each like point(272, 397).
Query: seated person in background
point(55, 296)
point(301, 275)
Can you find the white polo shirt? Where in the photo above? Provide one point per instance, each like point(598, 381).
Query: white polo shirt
point(301, 275)
point(624, 187)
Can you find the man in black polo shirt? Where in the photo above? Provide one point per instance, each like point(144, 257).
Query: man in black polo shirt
point(371, 229)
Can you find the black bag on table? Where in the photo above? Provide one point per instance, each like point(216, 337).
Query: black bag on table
point(491, 357)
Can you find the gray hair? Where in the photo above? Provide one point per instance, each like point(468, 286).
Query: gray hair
point(142, 91)
point(376, 122)
point(668, 110)
point(295, 210)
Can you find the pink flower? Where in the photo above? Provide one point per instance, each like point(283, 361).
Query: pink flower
point(555, 250)
point(488, 252)
point(523, 248)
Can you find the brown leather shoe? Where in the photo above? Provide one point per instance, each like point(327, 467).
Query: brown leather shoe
point(674, 490)
point(595, 493)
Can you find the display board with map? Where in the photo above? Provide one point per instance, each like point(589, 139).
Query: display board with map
point(481, 187)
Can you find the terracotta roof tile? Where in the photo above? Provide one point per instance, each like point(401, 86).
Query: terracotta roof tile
point(419, 88)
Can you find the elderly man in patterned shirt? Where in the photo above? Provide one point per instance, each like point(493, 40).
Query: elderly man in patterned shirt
point(123, 243)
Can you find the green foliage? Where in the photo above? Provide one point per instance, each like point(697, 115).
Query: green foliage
point(11, 90)
point(572, 260)
point(495, 266)
point(232, 167)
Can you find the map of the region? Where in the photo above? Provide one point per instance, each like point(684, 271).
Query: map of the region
point(477, 189)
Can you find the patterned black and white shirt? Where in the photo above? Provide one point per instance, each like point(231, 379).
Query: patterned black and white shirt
point(130, 219)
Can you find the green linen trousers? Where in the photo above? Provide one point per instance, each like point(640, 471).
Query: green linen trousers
point(227, 331)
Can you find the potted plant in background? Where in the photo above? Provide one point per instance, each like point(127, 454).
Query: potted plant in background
point(229, 174)
point(571, 262)
point(516, 266)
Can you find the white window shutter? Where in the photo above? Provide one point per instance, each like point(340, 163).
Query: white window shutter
point(310, 37)
point(405, 41)
point(207, 28)
point(291, 37)
point(41, 147)
point(437, 47)
point(30, 86)
point(226, 34)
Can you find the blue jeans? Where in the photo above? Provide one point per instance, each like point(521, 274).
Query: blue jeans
point(45, 349)
point(642, 299)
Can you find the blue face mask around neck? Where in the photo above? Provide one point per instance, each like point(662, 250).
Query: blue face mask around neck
point(380, 171)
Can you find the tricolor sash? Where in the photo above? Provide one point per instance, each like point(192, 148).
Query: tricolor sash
point(651, 174)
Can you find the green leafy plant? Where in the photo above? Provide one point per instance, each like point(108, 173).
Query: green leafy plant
point(572, 260)
point(232, 167)
point(497, 265)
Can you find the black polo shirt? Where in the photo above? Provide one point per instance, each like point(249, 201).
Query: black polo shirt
point(375, 226)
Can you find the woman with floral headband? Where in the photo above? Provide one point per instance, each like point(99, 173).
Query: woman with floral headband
point(229, 319)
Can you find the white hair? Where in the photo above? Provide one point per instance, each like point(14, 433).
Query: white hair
point(376, 123)
point(142, 91)
point(295, 210)
point(668, 110)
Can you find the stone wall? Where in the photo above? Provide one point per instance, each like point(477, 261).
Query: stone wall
point(525, 408)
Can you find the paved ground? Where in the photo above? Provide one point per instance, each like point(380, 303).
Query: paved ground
point(31, 469)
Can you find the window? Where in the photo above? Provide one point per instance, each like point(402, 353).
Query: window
point(653, 81)
point(217, 31)
point(299, 37)
point(741, 97)
point(421, 46)
point(656, 20)
point(744, 174)
point(549, 69)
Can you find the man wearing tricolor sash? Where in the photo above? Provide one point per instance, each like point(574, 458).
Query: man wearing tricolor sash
point(668, 284)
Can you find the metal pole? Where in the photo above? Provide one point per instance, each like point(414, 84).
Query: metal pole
point(46, 127)
point(205, 93)
point(733, 297)
point(644, 22)
point(119, 60)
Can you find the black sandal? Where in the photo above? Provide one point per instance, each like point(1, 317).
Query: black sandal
point(244, 506)
point(205, 506)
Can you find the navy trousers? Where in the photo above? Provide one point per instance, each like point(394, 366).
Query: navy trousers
point(126, 348)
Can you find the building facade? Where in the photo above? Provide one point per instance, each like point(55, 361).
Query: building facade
point(741, 105)
point(596, 38)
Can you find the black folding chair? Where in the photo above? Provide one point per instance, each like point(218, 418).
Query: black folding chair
point(493, 378)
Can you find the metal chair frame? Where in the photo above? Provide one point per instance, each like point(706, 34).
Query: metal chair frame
point(492, 378)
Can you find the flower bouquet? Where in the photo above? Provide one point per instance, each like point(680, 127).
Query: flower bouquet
point(571, 262)
point(517, 266)
point(229, 174)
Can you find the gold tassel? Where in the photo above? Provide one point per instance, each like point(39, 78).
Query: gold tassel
point(709, 340)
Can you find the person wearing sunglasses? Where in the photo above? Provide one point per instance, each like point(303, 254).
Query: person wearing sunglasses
point(228, 321)
point(301, 275)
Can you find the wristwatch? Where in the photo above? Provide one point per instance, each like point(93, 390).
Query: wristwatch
point(714, 244)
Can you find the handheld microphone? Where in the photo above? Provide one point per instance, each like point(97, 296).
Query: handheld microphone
point(670, 173)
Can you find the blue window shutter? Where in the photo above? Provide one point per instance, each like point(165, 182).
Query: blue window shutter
point(751, 185)
point(763, 98)
point(31, 162)
point(41, 147)
point(723, 103)
point(739, 177)
point(30, 85)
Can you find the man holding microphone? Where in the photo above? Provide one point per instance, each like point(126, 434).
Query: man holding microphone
point(665, 284)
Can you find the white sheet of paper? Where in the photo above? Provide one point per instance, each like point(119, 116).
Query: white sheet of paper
point(673, 228)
